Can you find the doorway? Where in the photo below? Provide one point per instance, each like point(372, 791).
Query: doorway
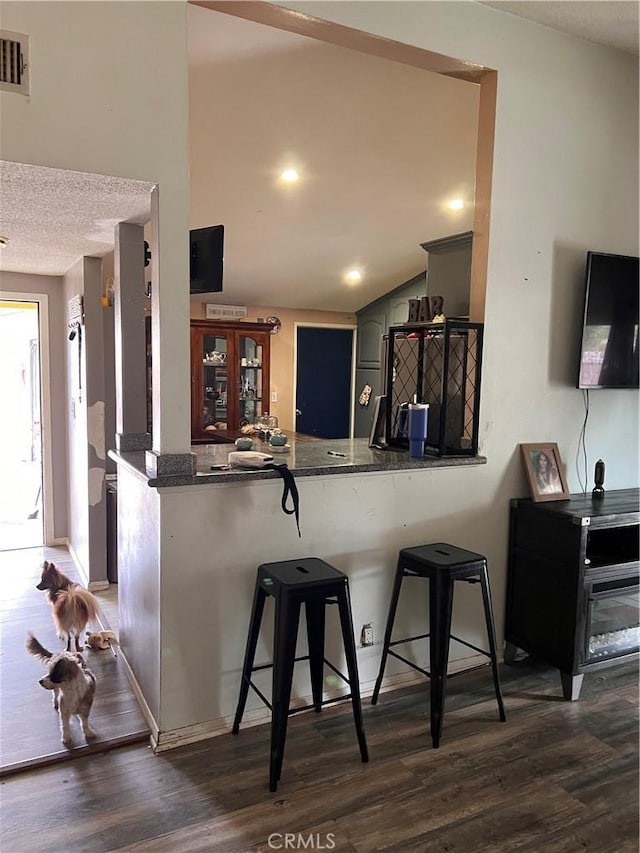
point(324, 381)
point(21, 492)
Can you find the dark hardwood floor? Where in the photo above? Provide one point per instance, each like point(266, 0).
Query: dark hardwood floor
point(29, 732)
point(557, 777)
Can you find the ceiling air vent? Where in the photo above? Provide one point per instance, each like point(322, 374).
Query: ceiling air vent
point(14, 62)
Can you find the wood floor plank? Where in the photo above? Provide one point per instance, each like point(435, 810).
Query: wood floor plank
point(557, 777)
point(30, 732)
point(490, 790)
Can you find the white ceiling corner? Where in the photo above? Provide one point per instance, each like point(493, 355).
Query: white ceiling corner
point(614, 23)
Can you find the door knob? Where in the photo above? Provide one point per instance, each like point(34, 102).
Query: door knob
point(298, 412)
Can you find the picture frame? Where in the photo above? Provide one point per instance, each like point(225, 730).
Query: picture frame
point(545, 471)
point(377, 436)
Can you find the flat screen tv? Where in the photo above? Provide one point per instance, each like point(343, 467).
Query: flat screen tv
point(609, 347)
point(206, 259)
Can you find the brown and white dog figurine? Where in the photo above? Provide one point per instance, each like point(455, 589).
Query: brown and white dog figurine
point(73, 686)
point(72, 606)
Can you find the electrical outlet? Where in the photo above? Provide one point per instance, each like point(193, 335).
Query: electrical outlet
point(366, 635)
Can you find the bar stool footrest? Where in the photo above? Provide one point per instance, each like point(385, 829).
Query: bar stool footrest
point(305, 707)
point(409, 639)
point(409, 663)
point(293, 711)
point(469, 669)
point(470, 646)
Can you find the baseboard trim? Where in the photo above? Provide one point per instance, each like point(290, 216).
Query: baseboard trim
point(93, 586)
point(133, 683)
point(144, 708)
point(78, 564)
point(173, 738)
point(163, 741)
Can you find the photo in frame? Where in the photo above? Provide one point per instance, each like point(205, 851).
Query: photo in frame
point(545, 471)
point(377, 433)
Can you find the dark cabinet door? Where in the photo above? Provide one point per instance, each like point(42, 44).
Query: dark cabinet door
point(251, 351)
point(229, 376)
point(370, 332)
point(214, 378)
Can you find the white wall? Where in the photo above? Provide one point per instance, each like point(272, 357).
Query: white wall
point(77, 447)
point(118, 106)
point(139, 572)
point(356, 522)
point(84, 401)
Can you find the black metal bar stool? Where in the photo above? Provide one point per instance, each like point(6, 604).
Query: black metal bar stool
point(442, 564)
point(314, 583)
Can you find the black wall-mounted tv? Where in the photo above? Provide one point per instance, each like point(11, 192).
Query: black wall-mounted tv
point(609, 347)
point(206, 259)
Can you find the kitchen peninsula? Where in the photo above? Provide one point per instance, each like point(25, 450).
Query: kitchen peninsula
point(304, 459)
point(197, 540)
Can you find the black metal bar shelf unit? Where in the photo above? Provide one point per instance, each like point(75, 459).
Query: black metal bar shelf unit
point(438, 364)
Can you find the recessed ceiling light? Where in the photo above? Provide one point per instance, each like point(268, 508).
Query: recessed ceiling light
point(353, 276)
point(3, 240)
point(290, 176)
point(455, 204)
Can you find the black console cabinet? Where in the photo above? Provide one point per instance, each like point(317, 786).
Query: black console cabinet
point(572, 586)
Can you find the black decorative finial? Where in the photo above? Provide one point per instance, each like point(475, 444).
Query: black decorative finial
point(598, 489)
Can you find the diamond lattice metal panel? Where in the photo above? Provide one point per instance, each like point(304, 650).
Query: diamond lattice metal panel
point(438, 364)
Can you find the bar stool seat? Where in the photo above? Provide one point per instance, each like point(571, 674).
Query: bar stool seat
point(291, 583)
point(442, 564)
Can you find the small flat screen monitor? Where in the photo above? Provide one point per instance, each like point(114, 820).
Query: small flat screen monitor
point(206, 259)
point(609, 348)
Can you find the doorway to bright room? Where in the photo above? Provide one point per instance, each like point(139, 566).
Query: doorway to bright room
point(21, 504)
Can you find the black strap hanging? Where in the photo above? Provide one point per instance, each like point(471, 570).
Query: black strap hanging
point(290, 489)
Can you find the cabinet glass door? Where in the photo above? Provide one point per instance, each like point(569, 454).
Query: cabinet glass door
point(250, 386)
point(214, 381)
point(613, 619)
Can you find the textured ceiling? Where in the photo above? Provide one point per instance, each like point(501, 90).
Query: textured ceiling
point(52, 217)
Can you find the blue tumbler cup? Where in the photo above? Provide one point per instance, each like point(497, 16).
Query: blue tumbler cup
point(418, 413)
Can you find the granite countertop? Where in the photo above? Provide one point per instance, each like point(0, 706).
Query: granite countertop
point(304, 459)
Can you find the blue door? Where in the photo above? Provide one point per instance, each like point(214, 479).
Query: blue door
point(323, 383)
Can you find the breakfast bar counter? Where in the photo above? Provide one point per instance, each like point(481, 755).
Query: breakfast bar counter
point(303, 458)
point(197, 539)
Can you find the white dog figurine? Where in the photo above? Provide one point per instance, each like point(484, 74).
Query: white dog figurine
point(73, 686)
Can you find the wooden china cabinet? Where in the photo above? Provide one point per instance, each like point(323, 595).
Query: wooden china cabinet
point(229, 376)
